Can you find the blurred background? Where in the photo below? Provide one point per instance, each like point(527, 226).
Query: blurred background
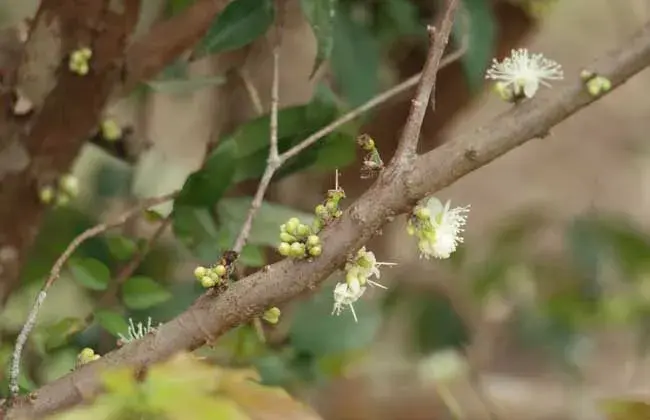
point(543, 312)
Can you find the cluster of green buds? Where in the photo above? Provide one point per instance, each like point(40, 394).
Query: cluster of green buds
point(211, 276)
point(61, 193)
point(111, 130)
point(272, 316)
point(86, 355)
point(79, 61)
point(329, 210)
point(596, 85)
point(372, 163)
point(298, 240)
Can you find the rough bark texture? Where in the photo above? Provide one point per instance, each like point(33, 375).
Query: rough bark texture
point(67, 107)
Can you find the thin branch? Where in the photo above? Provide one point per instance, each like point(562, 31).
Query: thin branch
point(426, 87)
point(387, 197)
point(55, 273)
point(371, 104)
point(274, 161)
point(253, 94)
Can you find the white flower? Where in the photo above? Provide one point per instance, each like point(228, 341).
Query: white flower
point(446, 228)
point(364, 266)
point(525, 71)
point(138, 331)
point(344, 295)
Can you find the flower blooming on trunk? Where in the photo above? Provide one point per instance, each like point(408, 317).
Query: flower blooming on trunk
point(438, 228)
point(523, 72)
point(137, 331)
point(344, 295)
point(358, 271)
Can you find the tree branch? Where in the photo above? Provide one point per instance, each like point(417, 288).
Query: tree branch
point(387, 197)
point(426, 87)
point(273, 161)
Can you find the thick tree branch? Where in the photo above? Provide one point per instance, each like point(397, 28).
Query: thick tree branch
point(167, 39)
point(214, 315)
point(67, 107)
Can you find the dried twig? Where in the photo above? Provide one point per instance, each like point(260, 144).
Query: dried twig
point(55, 273)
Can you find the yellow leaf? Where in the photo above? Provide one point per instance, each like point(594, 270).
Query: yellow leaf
point(626, 409)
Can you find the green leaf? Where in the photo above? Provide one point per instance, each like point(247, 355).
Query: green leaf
point(355, 60)
point(174, 7)
point(320, 14)
point(337, 152)
point(58, 334)
point(266, 225)
point(252, 256)
point(436, 324)
point(314, 330)
point(111, 321)
point(140, 292)
point(239, 24)
point(206, 186)
point(481, 34)
point(90, 273)
point(121, 247)
point(197, 230)
point(185, 86)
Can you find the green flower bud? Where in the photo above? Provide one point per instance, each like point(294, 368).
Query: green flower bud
point(410, 229)
point(303, 230)
point(86, 355)
point(283, 227)
point(313, 240)
point(317, 226)
point(220, 270)
point(111, 131)
point(208, 282)
point(320, 211)
point(69, 184)
point(331, 206)
point(272, 316)
point(315, 251)
point(297, 250)
point(284, 249)
point(200, 272)
point(46, 195)
point(292, 225)
point(422, 213)
point(285, 237)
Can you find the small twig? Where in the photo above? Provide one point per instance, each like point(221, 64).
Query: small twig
point(426, 87)
point(55, 273)
point(371, 104)
point(274, 161)
point(253, 94)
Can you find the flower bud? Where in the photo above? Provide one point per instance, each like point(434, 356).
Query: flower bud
point(284, 249)
point(320, 211)
point(331, 206)
point(46, 195)
point(297, 250)
point(315, 251)
point(208, 282)
point(292, 225)
point(272, 316)
point(285, 237)
point(313, 240)
point(422, 213)
point(69, 184)
point(200, 272)
point(220, 270)
point(111, 131)
point(303, 230)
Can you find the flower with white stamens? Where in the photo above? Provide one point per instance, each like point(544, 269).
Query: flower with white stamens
point(524, 72)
